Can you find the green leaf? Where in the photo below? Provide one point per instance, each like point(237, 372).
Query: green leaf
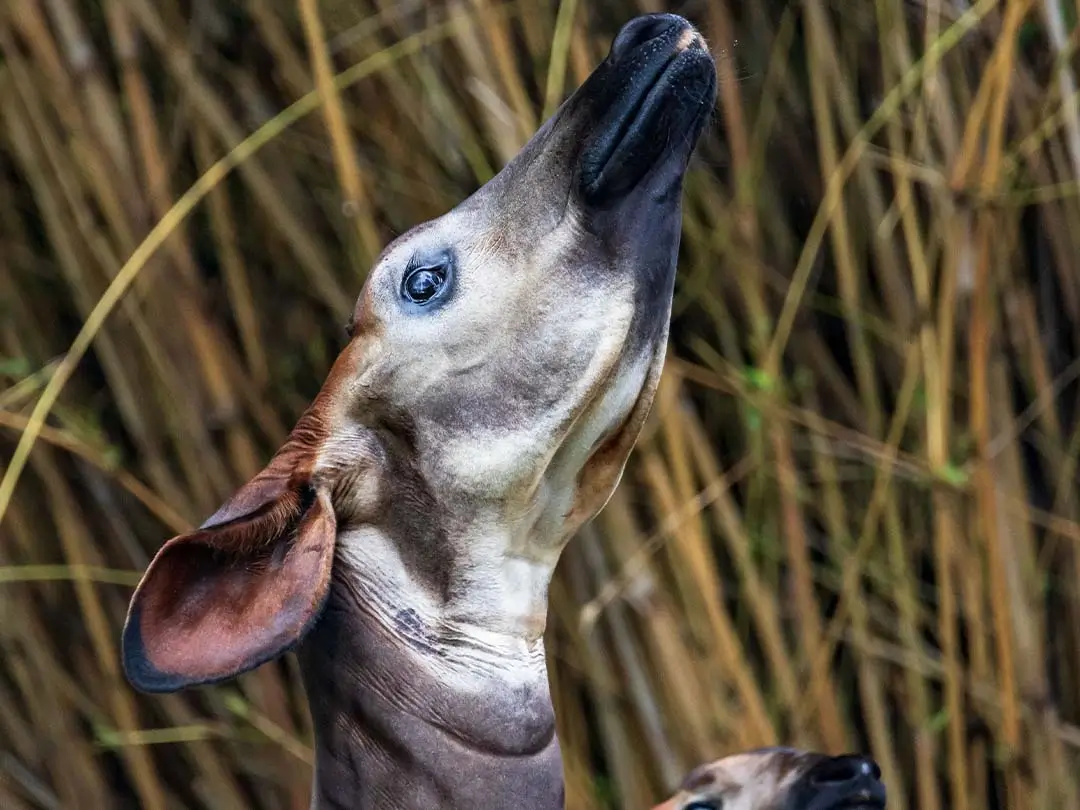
point(753, 419)
point(15, 366)
point(938, 721)
point(759, 379)
point(952, 474)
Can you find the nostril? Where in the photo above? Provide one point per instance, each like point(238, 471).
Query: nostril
point(841, 770)
point(642, 29)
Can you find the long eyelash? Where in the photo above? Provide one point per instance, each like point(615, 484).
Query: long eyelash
point(439, 258)
point(419, 260)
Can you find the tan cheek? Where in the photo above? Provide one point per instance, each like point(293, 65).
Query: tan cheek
point(365, 307)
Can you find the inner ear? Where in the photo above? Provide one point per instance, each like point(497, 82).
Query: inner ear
point(222, 600)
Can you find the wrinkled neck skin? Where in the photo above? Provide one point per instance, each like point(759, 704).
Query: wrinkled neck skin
point(426, 672)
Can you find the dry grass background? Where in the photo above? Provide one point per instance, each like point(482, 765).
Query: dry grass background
point(852, 520)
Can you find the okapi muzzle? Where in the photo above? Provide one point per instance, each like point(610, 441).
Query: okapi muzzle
point(501, 361)
point(782, 779)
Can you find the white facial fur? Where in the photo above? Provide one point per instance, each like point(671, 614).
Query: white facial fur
point(510, 386)
point(497, 374)
point(757, 780)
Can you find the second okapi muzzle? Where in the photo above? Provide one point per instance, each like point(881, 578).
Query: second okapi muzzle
point(782, 778)
point(848, 782)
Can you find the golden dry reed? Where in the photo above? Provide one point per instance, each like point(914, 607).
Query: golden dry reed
point(852, 520)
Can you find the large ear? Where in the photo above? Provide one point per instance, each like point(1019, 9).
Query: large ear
point(236, 593)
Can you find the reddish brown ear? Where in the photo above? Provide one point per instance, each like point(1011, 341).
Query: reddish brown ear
point(234, 594)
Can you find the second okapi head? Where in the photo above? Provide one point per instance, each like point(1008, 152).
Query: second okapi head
point(782, 779)
point(501, 361)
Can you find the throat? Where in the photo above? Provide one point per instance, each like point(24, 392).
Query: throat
point(484, 586)
point(432, 691)
point(505, 602)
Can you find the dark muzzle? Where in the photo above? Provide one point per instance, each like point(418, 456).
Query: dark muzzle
point(850, 782)
point(649, 101)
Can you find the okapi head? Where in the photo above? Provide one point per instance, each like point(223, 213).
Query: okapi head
point(782, 779)
point(501, 361)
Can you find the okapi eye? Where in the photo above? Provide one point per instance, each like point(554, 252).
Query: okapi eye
point(424, 282)
point(423, 285)
point(705, 804)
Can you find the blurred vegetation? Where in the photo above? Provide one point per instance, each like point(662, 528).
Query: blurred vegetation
point(852, 520)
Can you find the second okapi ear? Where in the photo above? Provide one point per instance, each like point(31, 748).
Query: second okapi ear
point(234, 594)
